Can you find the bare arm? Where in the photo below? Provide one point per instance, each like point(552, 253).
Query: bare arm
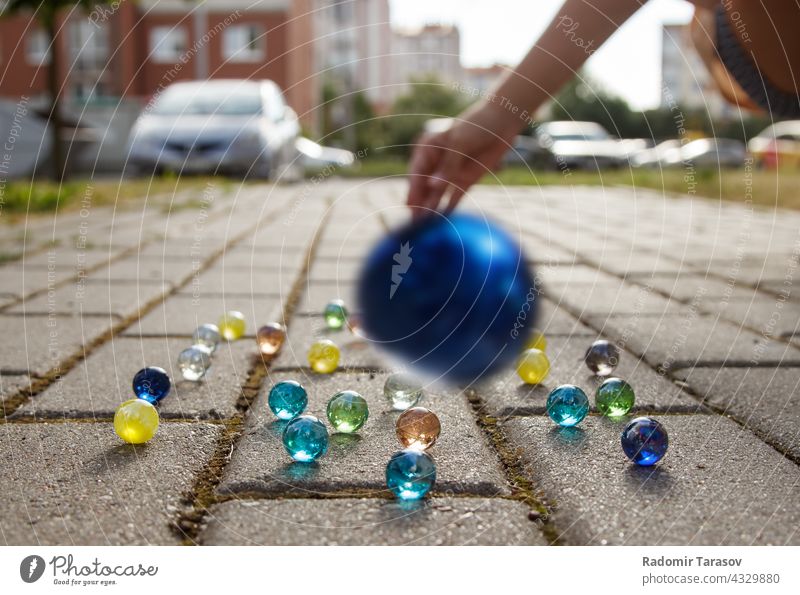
point(451, 161)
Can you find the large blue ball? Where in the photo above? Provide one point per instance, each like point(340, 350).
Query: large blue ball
point(451, 296)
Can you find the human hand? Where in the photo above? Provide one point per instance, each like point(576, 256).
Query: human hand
point(449, 162)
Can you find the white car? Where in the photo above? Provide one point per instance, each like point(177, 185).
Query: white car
point(229, 126)
point(584, 145)
point(781, 141)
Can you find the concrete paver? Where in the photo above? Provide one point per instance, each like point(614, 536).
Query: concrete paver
point(356, 463)
point(438, 521)
point(79, 484)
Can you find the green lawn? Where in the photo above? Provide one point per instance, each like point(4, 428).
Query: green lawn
point(762, 187)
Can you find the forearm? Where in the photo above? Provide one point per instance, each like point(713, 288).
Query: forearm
point(580, 28)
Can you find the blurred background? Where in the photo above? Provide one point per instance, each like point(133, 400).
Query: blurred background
point(168, 92)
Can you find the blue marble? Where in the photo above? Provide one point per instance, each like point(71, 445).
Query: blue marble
point(287, 399)
point(151, 384)
point(305, 438)
point(644, 441)
point(451, 296)
point(567, 405)
point(410, 474)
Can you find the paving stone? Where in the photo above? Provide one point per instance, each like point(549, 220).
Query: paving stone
point(196, 250)
point(436, 521)
point(317, 294)
point(6, 299)
point(717, 485)
point(609, 298)
point(766, 400)
point(89, 297)
point(69, 258)
point(18, 281)
point(142, 270)
point(356, 464)
point(79, 484)
point(553, 320)
point(44, 342)
point(255, 259)
point(681, 340)
point(772, 316)
point(329, 270)
point(302, 331)
point(236, 281)
point(180, 314)
point(506, 394)
point(98, 384)
point(12, 383)
point(567, 275)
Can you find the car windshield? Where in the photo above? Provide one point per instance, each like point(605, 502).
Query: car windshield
point(243, 101)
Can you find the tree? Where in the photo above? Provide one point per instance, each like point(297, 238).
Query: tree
point(428, 98)
point(46, 11)
point(582, 100)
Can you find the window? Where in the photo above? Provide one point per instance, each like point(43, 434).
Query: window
point(88, 51)
point(243, 43)
point(167, 44)
point(37, 49)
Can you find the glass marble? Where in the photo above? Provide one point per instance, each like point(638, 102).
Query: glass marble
point(207, 335)
point(335, 314)
point(270, 338)
point(323, 356)
point(533, 366)
point(537, 340)
point(151, 384)
point(418, 428)
point(567, 405)
point(410, 474)
point(287, 399)
point(194, 362)
point(644, 441)
point(402, 391)
point(614, 397)
point(136, 421)
point(602, 357)
point(305, 438)
point(232, 325)
point(347, 411)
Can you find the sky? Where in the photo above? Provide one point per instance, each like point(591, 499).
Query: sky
point(505, 32)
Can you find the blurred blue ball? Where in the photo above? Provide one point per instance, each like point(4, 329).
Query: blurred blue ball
point(451, 296)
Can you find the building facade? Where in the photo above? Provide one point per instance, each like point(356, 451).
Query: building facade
point(429, 51)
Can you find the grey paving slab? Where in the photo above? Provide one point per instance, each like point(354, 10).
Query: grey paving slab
point(766, 400)
point(616, 297)
point(302, 331)
point(43, 342)
point(764, 313)
point(317, 294)
point(356, 463)
point(437, 521)
point(70, 258)
point(237, 281)
point(6, 299)
point(197, 249)
point(12, 383)
point(18, 281)
point(554, 320)
point(681, 340)
point(79, 484)
point(506, 395)
point(717, 485)
point(89, 297)
point(98, 384)
point(135, 269)
point(331, 270)
point(565, 275)
point(180, 314)
point(255, 259)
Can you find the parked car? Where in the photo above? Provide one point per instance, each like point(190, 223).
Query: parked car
point(708, 153)
point(583, 145)
point(779, 143)
point(654, 156)
point(315, 156)
point(230, 126)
